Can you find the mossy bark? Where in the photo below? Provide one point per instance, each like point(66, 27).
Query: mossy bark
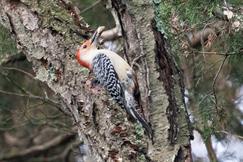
point(48, 33)
point(160, 80)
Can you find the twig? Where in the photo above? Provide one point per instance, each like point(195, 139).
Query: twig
point(134, 61)
point(219, 53)
point(29, 96)
point(214, 81)
point(89, 7)
point(19, 70)
point(45, 99)
point(35, 150)
point(66, 151)
point(14, 58)
point(13, 127)
point(208, 69)
point(204, 98)
point(227, 133)
point(14, 83)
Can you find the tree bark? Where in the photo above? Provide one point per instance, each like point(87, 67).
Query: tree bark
point(48, 33)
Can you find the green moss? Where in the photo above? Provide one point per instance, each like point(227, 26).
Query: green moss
point(191, 12)
point(139, 131)
point(162, 14)
point(7, 44)
point(141, 158)
point(195, 12)
point(235, 42)
point(236, 60)
point(56, 17)
point(235, 2)
point(84, 71)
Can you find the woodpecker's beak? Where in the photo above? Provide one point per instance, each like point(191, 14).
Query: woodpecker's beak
point(96, 35)
point(94, 39)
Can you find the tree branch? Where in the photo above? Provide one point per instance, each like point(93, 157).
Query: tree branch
point(19, 70)
point(90, 7)
point(39, 149)
point(30, 96)
point(214, 82)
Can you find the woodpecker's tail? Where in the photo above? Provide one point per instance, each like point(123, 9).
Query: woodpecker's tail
point(132, 111)
point(141, 120)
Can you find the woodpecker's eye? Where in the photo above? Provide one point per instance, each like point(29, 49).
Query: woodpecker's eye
point(85, 46)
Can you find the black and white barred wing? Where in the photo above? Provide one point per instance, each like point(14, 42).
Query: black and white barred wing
point(105, 73)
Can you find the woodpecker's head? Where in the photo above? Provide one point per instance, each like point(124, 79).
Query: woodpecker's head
point(91, 43)
point(84, 52)
point(88, 45)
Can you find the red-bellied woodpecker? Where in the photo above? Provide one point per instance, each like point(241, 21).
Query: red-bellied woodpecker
point(115, 74)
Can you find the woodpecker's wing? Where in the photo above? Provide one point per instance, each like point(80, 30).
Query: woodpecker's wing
point(105, 73)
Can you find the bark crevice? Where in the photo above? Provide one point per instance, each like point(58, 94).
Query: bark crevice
point(166, 70)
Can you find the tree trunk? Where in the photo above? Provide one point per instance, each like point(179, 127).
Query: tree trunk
point(48, 33)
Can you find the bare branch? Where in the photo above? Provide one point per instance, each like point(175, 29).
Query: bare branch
point(19, 70)
point(39, 149)
point(214, 82)
point(65, 153)
point(220, 53)
point(227, 133)
point(90, 7)
point(14, 58)
point(30, 96)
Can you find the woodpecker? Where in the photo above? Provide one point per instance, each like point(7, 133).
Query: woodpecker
point(115, 74)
